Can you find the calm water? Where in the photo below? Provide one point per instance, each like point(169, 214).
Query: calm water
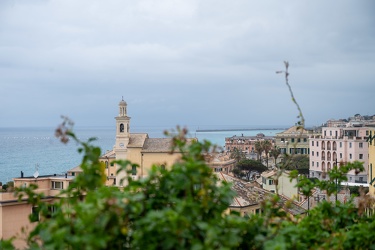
point(25, 149)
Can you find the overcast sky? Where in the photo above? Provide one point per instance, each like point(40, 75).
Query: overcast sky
point(200, 63)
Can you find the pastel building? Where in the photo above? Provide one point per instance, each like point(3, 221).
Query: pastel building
point(339, 145)
point(14, 213)
point(294, 140)
point(138, 148)
point(371, 166)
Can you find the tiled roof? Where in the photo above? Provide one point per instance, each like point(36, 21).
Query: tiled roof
point(294, 130)
point(248, 195)
point(137, 140)
point(157, 145)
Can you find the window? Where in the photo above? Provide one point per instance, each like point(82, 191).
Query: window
point(350, 145)
point(340, 155)
point(317, 144)
point(292, 140)
point(317, 164)
point(299, 139)
point(312, 143)
point(34, 216)
point(304, 139)
point(312, 153)
point(340, 144)
point(134, 170)
point(361, 145)
point(360, 156)
point(317, 154)
point(350, 156)
point(51, 210)
point(57, 185)
point(270, 182)
point(312, 163)
point(282, 139)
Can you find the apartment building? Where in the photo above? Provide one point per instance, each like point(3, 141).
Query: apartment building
point(294, 140)
point(339, 145)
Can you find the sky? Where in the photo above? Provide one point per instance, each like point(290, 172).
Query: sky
point(194, 63)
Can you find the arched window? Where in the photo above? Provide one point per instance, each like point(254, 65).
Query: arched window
point(328, 166)
point(334, 155)
point(323, 166)
point(328, 156)
point(323, 145)
point(323, 155)
point(334, 145)
point(329, 145)
point(121, 128)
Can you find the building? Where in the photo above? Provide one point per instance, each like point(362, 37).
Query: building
point(294, 140)
point(14, 213)
point(246, 144)
point(137, 148)
point(286, 187)
point(221, 163)
point(371, 160)
point(339, 144)
point(249, 197)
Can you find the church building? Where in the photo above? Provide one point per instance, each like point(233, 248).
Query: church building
point(138, 148)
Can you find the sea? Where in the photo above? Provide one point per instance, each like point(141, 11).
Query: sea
point(32, 150)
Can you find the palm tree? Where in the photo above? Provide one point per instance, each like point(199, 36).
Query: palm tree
point(259, 149)
point(275, 153)
point(267, 146)
point(237, 154)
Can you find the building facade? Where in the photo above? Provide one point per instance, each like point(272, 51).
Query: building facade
point(294, 140)
point(371, 165)
point(246, 144)
point(339, 145)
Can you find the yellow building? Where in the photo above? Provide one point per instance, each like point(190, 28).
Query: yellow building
point(371, 160)
point(138, 148)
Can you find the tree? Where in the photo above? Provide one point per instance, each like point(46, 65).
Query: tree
point(298, 162)
point(275, 153)
point(247, 167)
point(237, 154)
point(267, 146)
point(259, 149)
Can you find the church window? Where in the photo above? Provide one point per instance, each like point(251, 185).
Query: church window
point(121, 127)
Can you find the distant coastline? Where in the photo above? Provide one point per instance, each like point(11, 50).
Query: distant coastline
point(237, 129)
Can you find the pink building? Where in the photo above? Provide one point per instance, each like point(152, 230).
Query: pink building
point(339, 144)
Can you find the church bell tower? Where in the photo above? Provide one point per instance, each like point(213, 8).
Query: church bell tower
point(122, 131)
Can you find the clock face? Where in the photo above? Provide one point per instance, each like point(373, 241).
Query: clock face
point(121, 145)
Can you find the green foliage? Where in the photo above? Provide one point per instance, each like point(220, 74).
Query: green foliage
point(245, 167)
point(297, 162)
point(237, 154)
